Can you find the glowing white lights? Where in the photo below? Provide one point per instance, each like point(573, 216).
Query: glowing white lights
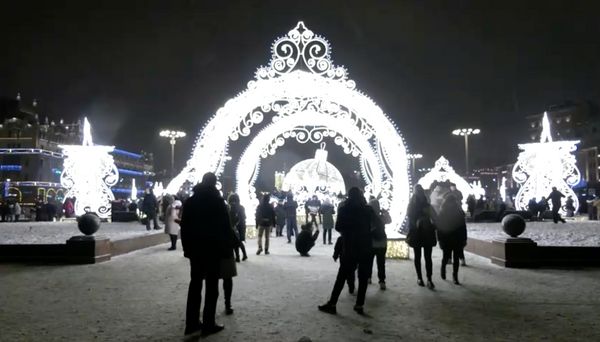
point(133, 190)
point(302, 95)
point(442, 172)
point(88, 173)
point(466, 131)
point(314, 176)
point(544, 165)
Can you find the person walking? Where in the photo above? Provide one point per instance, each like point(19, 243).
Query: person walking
point(280, 218)
point(206, 238)
point(172, 217)
point(355, 223)
point(337, 252)
point(379, 244)
point(306, 239)
point(421, 233)
point(452, 234)
point(265, 219)
point(18, 211)
point(150, 207)
point(327, 211)
point(227, 269)
point(237, 217)
point(555, 197)
point(291, 224)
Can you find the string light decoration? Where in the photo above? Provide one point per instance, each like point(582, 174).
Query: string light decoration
point(443, 172)
point(541, 166)
point(302, 95)
point(133, 190)
point(477, 189)
point(503, 189)
point(88, 173)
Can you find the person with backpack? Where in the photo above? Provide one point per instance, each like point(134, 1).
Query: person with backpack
point(379, 243)
point(452, 233)
point(327, 211)
point(237, 217)
point(265, 219)
point(422, 233)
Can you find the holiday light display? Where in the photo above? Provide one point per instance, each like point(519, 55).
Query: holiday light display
point(133, 190)
point(443, 172)
point(88, 173)
point(302, 95)
point(314, 176)
point(477, 189)
point(544, 165)
point(503, 189)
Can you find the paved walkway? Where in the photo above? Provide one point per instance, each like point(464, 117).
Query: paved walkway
point(141, 297)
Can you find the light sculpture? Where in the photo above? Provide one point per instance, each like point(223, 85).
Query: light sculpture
point(443, 172)
point(541, 166)
point(503, 189)
point(477, 189)
point(133, 190)
point(315, 176)
point(302, 95)
point(88, 173)
point(158, 189)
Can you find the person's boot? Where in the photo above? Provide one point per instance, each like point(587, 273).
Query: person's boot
point(211, 329)
point(463, 262)
point(443, 272)
point(267, 252)
point(192, 329)
point(359, 309)
point(455, 278)
point(430, 284)
point(228, 309)
point(382, 285)
point(420, 282)
point(245, 257)
point(328, 308)
point(259, 251)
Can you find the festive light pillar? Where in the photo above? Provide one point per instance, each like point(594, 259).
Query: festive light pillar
point(88, 173)
point(544, 165)
point(133, 190)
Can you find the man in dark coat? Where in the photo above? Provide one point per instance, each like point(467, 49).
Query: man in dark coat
point(206, 238)
point(306, 239)
point(354, 222)
point(291, 223)
point(149, 207)
point(555, 196)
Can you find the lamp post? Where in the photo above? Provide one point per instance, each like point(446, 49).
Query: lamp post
point(172, 136)
point(413, 159)
point(466, 132)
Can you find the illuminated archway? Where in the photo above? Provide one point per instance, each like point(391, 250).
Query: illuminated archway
point(303, 93)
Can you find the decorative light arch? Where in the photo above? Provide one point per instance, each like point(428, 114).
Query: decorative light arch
point(303, 94)
point(442, 172)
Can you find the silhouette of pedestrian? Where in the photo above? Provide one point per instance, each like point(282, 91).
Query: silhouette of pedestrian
point(422, 233)
point(452, 234)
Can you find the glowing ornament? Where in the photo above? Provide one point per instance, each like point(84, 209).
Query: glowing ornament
point(88, 173)
point(443, 172)
point(133, 190)
point(477, 189)
point(503, 189)
point(544, 165)
point(158, 189)
point(302, 95)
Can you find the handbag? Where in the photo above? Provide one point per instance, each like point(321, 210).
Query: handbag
point(385, 217)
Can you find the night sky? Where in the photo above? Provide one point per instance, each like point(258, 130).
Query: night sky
point(134, 67)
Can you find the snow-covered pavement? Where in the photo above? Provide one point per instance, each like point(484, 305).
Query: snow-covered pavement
point(141, 297)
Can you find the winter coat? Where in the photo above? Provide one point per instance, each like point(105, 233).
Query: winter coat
point(280, 214)
point(172, 214)
point(327, 211)
point(17, 209)
point(206, 233)
point(452, 229)
point(149, 204)
point(354, 222)
point(306, 240)
point(290, 207)
point(237, 217)
point(421, 225)
point(265, 215)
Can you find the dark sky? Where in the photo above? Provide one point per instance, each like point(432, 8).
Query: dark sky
point(134, 67)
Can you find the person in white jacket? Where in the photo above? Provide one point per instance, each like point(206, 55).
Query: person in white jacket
point(172, 217)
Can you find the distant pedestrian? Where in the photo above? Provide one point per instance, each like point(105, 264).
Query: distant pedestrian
point(237, 218)
point(265, 220)
point(280, 218)
point(570, 206)
point(452, 234)
point(291, 223)
point(312, 207)
point(555, 197)
point(422, 233)
point(150, 208)
point(172, 219)
point(378, 243)
point(542, 207)
point(17, 211)
point(355, 223)
point(327, 211)
point(305, 240)
point(471, 203)
point(532, 207)
point(206, 237)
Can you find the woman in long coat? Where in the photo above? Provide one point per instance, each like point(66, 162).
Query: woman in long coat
point(421, 233)
point(172, 216)
point(452, 233)
point(327, 211)
point(237, 217)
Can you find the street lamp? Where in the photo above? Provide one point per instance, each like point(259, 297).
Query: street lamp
point(412, 157)
point(173, 136)
point(466, 132)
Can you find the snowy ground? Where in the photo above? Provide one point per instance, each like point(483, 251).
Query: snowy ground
point(141, 297)
point(572, 233)
point(60, 232)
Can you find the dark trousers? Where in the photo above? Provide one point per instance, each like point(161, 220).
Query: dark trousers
point(326, 233)
point(202, 271)
point(453, 253)
point(379, 256)
point(279, 230)
point(346, 270)
point(237, 251)
point(227, 291)
point(291, 226)
point(173, 240)
point(151, 216)
point(555, 215)
point(428, 262)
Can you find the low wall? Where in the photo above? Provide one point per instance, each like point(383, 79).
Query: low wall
point(525, 253)
point(79, 249)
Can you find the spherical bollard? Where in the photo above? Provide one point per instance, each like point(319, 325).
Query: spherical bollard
point(88, 223)
point(513, 225)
